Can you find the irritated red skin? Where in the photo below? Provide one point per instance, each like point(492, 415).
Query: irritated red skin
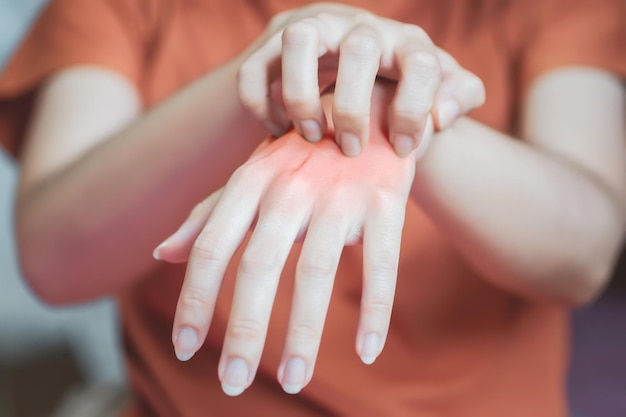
point(322, 165)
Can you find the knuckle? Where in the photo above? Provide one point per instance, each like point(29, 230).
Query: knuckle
point(194, 298)
point(245, 329)
point(301, 102)
point(323, 14)
point(411, 115)
point(410, 122)
point(249, 71)
point(367, 18)
point(329, 13)
point(320, 265)
point(247, 68)
point(391, 206)
point(305, 332)
point(377, 307)
point(477, 87)
point(382, 268)
point(208, 247)
point(251, 89)
point(414, 32)
point(361, 42)
point(447, 61)
point(253, 174)
point(350, 114)
point(252, 101)
point(422, 62)
point(254, 263)
point(297, 33)
point(246, 175)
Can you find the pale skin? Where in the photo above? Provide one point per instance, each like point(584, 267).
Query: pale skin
point(523, 221)
point(287, 190)
point(566, 176)
point(354, 46)
point(89, 132)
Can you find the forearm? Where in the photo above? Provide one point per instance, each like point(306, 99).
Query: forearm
point(89, 228)
point(526, 221)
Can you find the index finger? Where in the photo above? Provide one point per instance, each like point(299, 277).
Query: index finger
point(253, 85)
point(208, 260)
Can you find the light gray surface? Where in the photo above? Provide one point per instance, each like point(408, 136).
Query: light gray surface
point(14, 17)
point(27, 326)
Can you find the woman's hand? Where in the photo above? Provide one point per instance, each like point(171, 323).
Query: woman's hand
point(305, 50)
point(292, 190)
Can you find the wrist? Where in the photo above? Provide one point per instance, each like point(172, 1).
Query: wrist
point(428, 160)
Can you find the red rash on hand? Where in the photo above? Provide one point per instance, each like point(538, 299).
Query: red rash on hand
point(322, 165)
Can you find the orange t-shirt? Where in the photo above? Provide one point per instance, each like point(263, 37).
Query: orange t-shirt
point(457, 345)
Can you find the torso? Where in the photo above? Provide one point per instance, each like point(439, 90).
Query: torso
point(457, 345)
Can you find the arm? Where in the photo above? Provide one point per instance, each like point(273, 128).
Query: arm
point(101, 191)
point(542, 217)
point(492, 195)
point(97, 192)
point(354, 46)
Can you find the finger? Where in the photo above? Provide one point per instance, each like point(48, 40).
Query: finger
point(176, 248)
point(419, 79)
point(359, 60)
point(381, 249)
point(301, 93)
point(255, 289)
point(315, 274)
point(208, 259)
point(254, 86)
point(460, 92)
point(427, 138)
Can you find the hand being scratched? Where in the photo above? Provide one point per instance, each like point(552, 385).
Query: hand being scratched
point(291, 190)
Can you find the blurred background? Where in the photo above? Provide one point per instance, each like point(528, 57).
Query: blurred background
point(60, 362)
point(66, 362)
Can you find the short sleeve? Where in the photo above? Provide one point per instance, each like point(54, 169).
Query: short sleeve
point(576, 33)
point(67, 33)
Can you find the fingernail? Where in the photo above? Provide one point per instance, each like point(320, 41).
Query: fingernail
point(448, 111)
point(370, 348)
point(186, 344)
point(157, 252)
point(311, 130)
point(294, 375)
point(235, 377)
point(403, 144)
point(350, 144)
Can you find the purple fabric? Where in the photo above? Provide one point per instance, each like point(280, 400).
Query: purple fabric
point(598, 374)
